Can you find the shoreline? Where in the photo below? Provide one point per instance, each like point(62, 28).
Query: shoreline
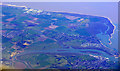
point(111, 35)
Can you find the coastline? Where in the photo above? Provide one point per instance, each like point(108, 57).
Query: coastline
point(111, 35)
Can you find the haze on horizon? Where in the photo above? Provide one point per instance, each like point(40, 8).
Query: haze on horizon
point(107, 9)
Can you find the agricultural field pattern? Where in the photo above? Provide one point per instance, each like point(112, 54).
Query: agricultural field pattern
point(38, 39)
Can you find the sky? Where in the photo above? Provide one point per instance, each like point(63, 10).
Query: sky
point(59, 0)
point(106, 9)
